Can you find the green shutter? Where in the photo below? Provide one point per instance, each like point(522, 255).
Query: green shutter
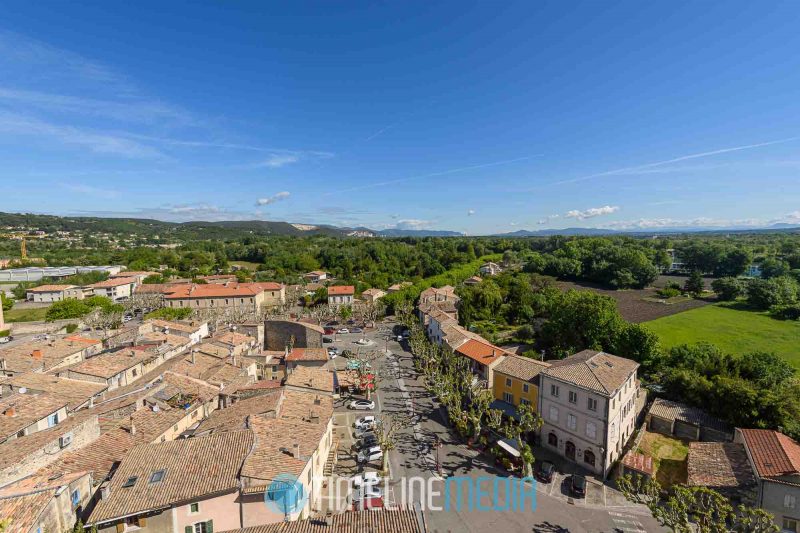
point(188, 529)
point(210, 526)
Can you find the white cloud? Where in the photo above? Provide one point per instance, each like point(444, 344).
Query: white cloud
point(512, 223)
point(591, 212)
point(698, 222)
point(279, 160)
point(413, 223)
point(273, 199)
point(470, 212)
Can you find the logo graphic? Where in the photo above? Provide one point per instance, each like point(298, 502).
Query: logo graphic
point(285, 495)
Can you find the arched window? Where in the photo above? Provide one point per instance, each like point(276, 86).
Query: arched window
point(588, 457)
point(552, 439)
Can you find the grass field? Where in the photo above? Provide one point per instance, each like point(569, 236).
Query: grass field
point(733, 330)
point(246, 265)
point(25, 315)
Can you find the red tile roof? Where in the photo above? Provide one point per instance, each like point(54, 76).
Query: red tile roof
point(50, 288)
point(774, 454)
point(214, 290)
point(482, 352)
point(308, 354)
point(113, 282)
point(341, 290)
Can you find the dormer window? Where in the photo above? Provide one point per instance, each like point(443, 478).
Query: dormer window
point(130, 482)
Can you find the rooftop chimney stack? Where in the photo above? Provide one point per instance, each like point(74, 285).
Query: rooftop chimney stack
point(296, 451)
point(37, 354)
point(10, 411)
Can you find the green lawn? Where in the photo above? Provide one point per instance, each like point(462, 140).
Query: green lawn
point(669, 457)
point(247, 265)
point(25, 315)
point(733, 330)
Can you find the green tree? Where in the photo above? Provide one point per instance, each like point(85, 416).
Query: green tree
point(170, 313)
point(766, 293)
point(694, 284)
point(7, 302)
point(727, 289)
point(66, 309)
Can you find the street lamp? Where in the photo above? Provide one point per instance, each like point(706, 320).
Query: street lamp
point(438, 444)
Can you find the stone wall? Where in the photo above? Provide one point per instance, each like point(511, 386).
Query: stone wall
point(277, 334)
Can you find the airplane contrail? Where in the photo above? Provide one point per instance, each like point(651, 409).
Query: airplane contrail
point(675, 160)
point(433, 174)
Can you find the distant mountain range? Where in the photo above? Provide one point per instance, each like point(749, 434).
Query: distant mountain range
point(235, 229)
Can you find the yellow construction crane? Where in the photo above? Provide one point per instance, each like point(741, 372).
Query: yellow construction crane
point(23, 246)
point(23, 249)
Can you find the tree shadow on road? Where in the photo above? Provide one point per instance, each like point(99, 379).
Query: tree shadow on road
point(547, 527)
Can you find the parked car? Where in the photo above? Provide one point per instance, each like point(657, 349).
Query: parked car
point(546, 471)
point(367, 441)
point(368, 491)
point(399, 338)
point(327, 340)
point(367, 478)
point(329, 331)
point(127, 318)
point(343, 331)
point(406, 334)
point(365, 422)
point(577, 486)
point(4, 340)
point(371, 454)
point(362, 342)
point(362, 405)
point(360, 433)
point(356, 330)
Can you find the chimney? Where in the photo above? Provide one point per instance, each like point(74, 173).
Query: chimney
point(105, 492)
point(37, 354)
point(2, 364)
point(133, 428)
point(10, 411)
point(296, 452)
point(193, 354)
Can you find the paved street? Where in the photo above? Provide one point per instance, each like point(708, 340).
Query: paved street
point(401, 391)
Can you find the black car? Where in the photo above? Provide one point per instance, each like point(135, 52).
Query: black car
point(577, 486)
point(545, 472)
point(366, 442)
point(327, 340)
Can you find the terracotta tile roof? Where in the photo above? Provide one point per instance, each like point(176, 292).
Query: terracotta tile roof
point(639, 462)
point(16, 450)
point(269, 285)
point(98, 457)
point(315, 273)
point(108, 365)
point(308, 354)
point(214, 350)
point(213, 290)
point(432, 292)
point(74, 392)
point(39, 481)
point(275, 447)
point(373, 521)
point(50, 288)
point(131, 273)
point(234, 417)
point(265, 384)
point(309, 377)
point(597, 371)
point(305, 406)
point(524, 368)
point(341, 290)
point(157, 288)
point(192, 468)
point(718, 464)
point(19, 358)
point(670, 410)
point(24, 511)
point(231, 338)
point(18, 411)
point(374, 292)
point(774, 454)
point(113, 282)
point(481, 352)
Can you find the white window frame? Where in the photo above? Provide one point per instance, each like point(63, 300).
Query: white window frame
point(573, 397)
point(591, 430)
point(553, 415)
point(572, 421)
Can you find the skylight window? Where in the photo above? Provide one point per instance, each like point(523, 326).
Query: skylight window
point(130, 482)
point(157, 476)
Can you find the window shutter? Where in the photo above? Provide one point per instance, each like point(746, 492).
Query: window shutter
point(210, 526)
point(188, 529)
point(121, 527)
point(142, 521)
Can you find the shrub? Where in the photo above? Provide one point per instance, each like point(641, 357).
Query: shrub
point(5, 333)
point(786, 312)
point(71, 328)
point(727, 289)
point(669, 292)
point(170, 313)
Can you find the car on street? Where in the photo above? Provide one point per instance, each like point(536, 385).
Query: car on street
point(577, 486)
point(342, 331)
point(406, 334)
point(369, 455)
point(399, 338)
point(362, 342)
point(545, 472)
point(361, 433)
point(327, 340)
point(368, 491)
point(365, 422)
point(362, 405)
point(367, 478)
point(333, 352)
point(127, 318)
point(329, 331)
point(356, 330)
point(4, 340)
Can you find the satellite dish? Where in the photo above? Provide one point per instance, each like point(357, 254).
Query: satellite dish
point(23, 390)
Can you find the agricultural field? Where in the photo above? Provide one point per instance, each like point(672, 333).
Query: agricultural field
point(639, 305)
point(732, 329)
point(246, 265)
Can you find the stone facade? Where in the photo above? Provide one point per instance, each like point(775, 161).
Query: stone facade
point(277, 334)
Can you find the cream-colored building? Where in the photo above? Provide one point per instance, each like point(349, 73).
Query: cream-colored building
point(246, 296)
point(115, 288)
point(588, 404)
point(48, 293)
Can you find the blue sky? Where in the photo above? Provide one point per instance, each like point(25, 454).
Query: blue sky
point(478, 117)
